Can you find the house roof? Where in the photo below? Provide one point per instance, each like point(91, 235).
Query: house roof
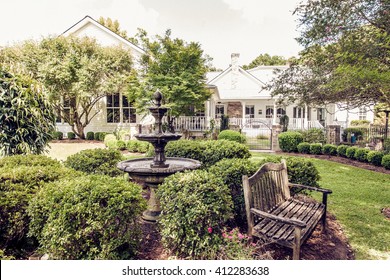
point(87, 20)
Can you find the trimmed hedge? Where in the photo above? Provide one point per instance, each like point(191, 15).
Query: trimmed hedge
point(375, 157)
point(350, 152)
point(232, 135)
point(386, 161)
point(361, 154)
point(195, 206)
point(90, 135)
point(314, 135)
point(96, 161)
point(342, 150)
point(329, 149)
point(88, 217)
point(71, 135)
point(316, 148)
point(58, 135)
point(289, 141)
point(304, 148)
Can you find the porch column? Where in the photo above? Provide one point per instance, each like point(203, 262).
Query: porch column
point(306, 123)
point(274, 114)
point(243, 113)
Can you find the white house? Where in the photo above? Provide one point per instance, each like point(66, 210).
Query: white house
point(237, 93)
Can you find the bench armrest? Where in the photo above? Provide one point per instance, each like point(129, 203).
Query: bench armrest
point(293, 222)
point(310, 188)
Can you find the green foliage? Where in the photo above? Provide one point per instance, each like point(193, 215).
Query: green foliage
point(71, 135)
point(58, 135)
point(314, 135)
point(195, 205)
point(289, 140)
point(77, 71)
point(231, 172)
point(208, 152)
point(90, 135)
point(96, 161)
point(375, 157)
point(175, 67)
point(27, 119)
point(356, 131)
point(89, 217)
point(135, 146)
point(283, 121)
point(386, 146)
point(329, 149)
point(386, 161)
point(224, 123)
point(21, 177)
point(303, 148)
point(342, 150)
point(316, 148)
point(361, 154)
point(232, 135)
point(121, 145)
point(110, 141)
point(350, 152)
point(266, 59)
point(360, 122)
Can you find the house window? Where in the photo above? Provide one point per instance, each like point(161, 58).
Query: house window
point(113, 108)
point(269, 112)
point(250, 111)
point(63, 112)
point(128, 112)
point(280, 112)
point(298, 112)
point(362, 113)
point(219, 110)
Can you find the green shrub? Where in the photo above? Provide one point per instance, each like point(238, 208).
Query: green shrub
point(110, 141)
point(208, 152)
point(89, 217)
point(90, 135)
point(96, 161)
point(195, 205)
point(304, 148)
point(96, 136)
point(386, 161)
point(375, 157)
point(350, 153)
point(231, 172)
point(386, 146)
point(342, 150)
point(360, 123)
point(289, 141)
point(316, 148)
point(314, 135)
point(329, 149)
point(132, 146)
point(232, 135)
point(121, 145)
point(58, 135)
point(361, 154)
point(71, 135)
point(20, 178)
point(102, 135)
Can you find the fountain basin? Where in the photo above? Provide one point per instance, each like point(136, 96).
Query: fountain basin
point(140, 171)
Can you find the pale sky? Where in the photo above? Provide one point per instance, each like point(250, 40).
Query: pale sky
point(222, 27)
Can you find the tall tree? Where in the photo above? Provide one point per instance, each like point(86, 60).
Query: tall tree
point(77, 72)
point(175, 67)
point(347, 54)
point(27, 119)
point(113, 25)
point(266, 59)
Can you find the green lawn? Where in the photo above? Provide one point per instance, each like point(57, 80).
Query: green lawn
point(357, 199)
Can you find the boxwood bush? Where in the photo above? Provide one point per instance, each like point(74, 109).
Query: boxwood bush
point(231, 172)
point(71, 135)
point(342, 150)
point(90, 135)
point(314, 135)
point(121, 145)
point(329, 149)
point(361, 154)
point(386, 161)
point(304, 148)
point(20, 178)
point(316, 148)
point(136, 146)
point(195, 206)
point(88, 217)
point(350, 152)
point(58, 135)
point(232, 136)
point(96, 161)
point(375, 157)
point(289, 141)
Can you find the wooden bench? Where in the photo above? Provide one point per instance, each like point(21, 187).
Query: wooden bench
point(274, 215)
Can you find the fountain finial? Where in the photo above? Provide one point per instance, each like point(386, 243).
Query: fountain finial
point(158, 97)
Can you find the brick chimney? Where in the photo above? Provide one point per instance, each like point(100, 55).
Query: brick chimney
point(235, 69)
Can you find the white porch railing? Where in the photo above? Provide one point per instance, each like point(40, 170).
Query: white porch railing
point(194, 123)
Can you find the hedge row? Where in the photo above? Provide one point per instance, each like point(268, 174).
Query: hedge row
point(133, 146)
point(293, 142)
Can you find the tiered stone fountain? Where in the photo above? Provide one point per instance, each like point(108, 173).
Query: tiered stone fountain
point(151, 172)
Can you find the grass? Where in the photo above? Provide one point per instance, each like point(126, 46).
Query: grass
point(358, 197)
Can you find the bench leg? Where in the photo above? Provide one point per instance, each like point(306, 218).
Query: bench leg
point(297, 243)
